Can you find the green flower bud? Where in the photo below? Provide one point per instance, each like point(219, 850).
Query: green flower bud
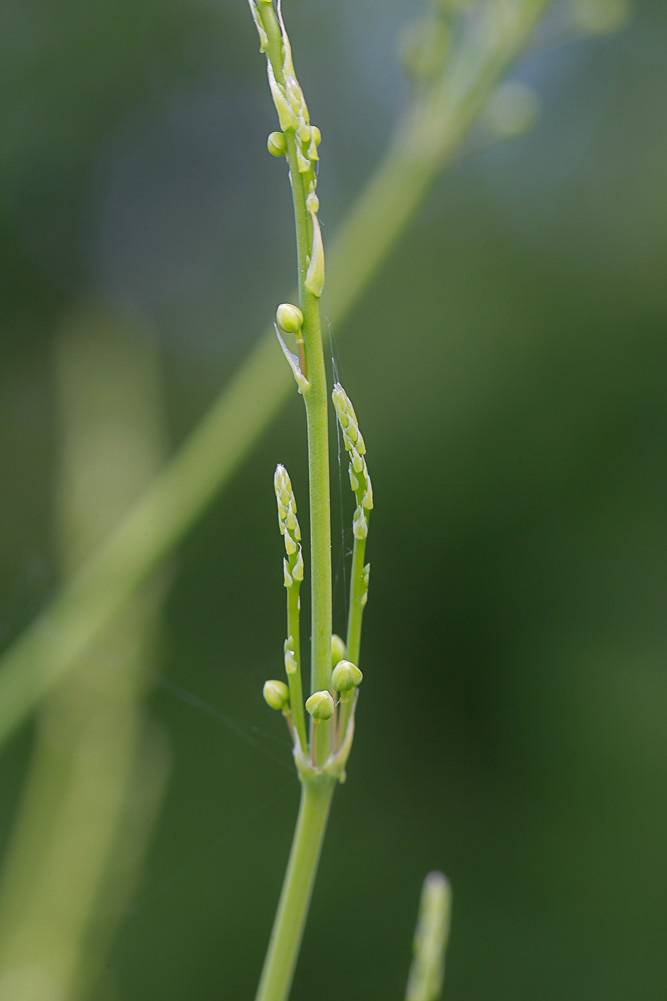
point(320, 705)
point(288, 524)
point(276, 694)
point(277, 144)
point(315, 274)
point(311, 152)
point(296, 98)
point(338, 649)
point(291, 666)
point(365, 578)
point(316, 134)
point(297, 572)
point(286, 116)
point(359, 524)
point(302, 162)
point(289, 317)
point(346, 676)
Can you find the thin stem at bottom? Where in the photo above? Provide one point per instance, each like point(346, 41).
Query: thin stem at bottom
point(281, 957)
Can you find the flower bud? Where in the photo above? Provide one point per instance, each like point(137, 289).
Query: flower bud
point(315, 274)
point(346, 676)
point(286, 116)
point(316, 134)
point(302, 162)
point(289, 317)
point(277, 144)
point(276, 694)
point(359, 524)
point(338, 649)
point(320, 705)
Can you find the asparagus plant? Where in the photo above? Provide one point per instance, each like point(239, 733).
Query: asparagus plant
point(321, 752)
point(455, 58)
point(453, 83)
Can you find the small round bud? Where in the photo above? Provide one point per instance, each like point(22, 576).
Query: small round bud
point(290, 318)
point(316, 134)
point(277, 144)
point(320, 705)
point(313, 202)
point(276, 694)
point(346, 676)
point(338, 649)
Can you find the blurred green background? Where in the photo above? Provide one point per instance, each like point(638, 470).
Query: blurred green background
point(509, 368)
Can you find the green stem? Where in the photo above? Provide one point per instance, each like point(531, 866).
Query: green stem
point(316, 400)
point(294, 677)
point(317, 416)
point(357, 589)
point(276, 980)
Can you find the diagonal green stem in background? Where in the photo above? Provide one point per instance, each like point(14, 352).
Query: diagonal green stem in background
point(426, 139)
point(97, 766)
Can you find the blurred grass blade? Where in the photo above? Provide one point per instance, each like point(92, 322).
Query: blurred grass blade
point(430, 942)
point(80, 829)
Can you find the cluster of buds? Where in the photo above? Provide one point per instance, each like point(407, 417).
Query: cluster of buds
point(337, 704)
point(360, 480)
point(278, 695)
point(345, 680)
point(294, 119)
point(289, 528)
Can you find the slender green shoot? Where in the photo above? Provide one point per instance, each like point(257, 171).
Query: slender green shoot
point(292, 577)
point(430, 941)
point(362, 489)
